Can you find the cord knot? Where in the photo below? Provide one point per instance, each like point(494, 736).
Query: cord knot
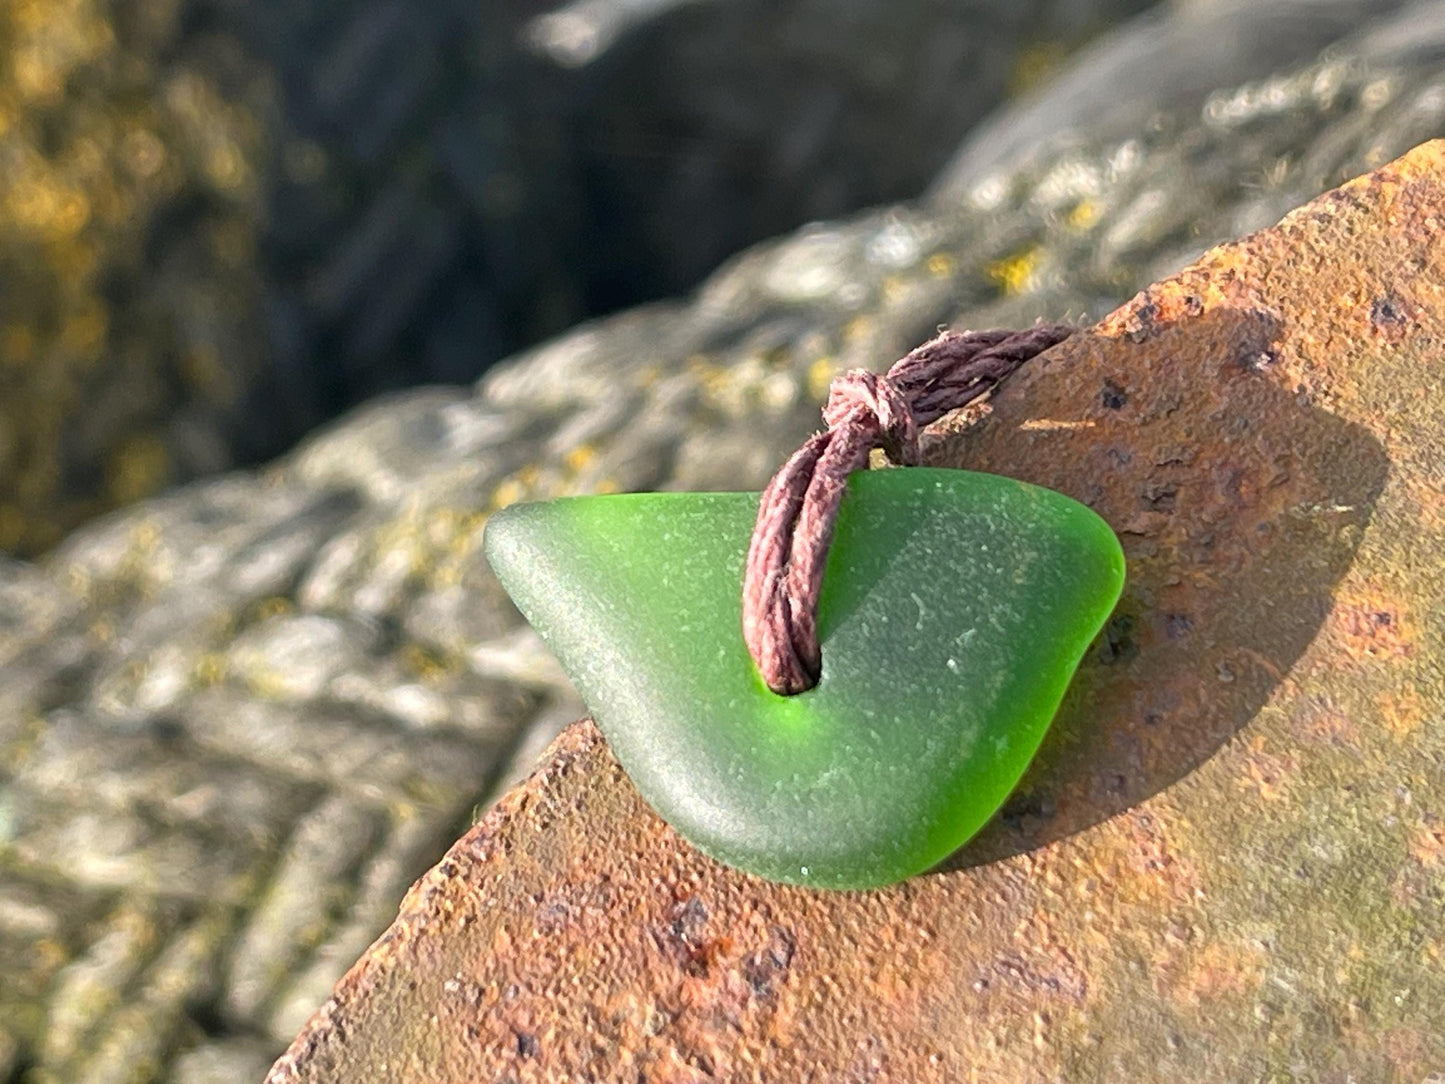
point(783, 578)
point(867, 398)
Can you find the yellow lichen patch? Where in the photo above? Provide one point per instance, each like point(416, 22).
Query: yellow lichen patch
point(1084, 214)
point(737, 389)
point(1014, 274)
point(274, 606)
point(459, 533)
point(714, 379)
point(895, 288)
point(445, 573)
point(456, 536)
point(820, 374)
point(514, 488)
point(210, 669)
point(941, 265)
point(50, 954)
point(701, 367)
point(268, 685)
point(424, 662)
point(579, 458)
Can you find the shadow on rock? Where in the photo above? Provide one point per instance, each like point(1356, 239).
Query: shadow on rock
point(1240, 506)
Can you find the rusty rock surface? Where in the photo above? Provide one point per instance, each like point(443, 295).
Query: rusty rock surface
point(1228, 861)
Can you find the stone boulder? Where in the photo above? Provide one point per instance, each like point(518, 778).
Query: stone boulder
point(1228, 861)
point(224, 221)
point(1176, 59)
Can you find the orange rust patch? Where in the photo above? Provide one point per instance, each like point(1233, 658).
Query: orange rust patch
point(1133, 862)
point(1218, 971)
point(1401, 711)
point(1267, 775)
point(1372, 626)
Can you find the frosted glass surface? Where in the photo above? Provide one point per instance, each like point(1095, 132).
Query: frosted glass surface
point(956, 607)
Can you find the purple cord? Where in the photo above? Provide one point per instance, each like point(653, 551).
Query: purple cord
point(794, 530)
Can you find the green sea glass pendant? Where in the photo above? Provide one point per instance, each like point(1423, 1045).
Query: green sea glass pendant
point(955, 609)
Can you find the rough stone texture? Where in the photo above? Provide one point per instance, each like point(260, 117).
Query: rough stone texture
point(1174, 60)
point(223, 221)
point(1229, 860)
point(198, 689)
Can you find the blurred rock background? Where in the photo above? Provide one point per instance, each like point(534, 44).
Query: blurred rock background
point(225, 221)
point(238, 719)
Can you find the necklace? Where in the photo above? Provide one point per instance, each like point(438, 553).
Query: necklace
point(837, 682)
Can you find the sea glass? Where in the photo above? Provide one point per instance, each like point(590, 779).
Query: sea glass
point(956, 607)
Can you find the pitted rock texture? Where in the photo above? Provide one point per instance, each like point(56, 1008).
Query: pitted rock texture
point(207, 696)
point(224, 221)
point(1228, 862)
